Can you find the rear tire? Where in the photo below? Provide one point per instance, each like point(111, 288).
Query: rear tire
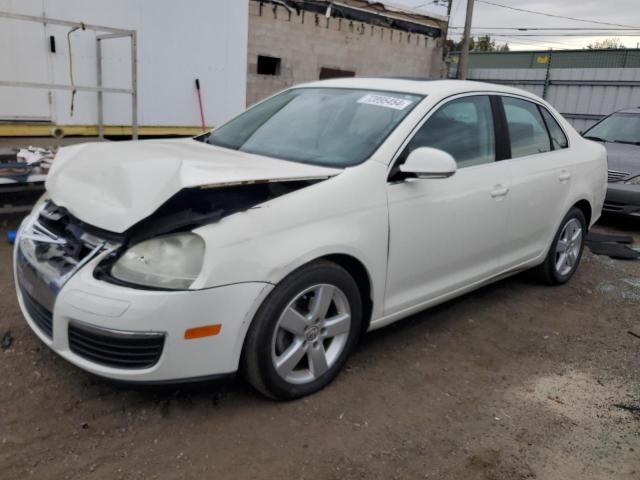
point(566, 250)
point(303, 333)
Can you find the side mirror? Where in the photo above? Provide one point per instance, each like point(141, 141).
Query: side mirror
point(427, 162)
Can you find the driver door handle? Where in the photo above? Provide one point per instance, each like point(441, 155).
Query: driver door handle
point(499, 191)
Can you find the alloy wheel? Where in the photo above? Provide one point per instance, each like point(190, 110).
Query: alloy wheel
point(311, 333)
point(568, 247)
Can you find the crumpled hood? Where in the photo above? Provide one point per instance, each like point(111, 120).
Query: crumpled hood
point(115, 185)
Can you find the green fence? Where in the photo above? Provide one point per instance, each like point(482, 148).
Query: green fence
point(615, 58)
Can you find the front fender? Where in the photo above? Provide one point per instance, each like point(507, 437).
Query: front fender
point(265, 244)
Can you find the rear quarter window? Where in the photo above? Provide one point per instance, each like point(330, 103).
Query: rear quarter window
point(557, 135)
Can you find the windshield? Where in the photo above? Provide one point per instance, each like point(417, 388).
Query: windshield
point(618, 128)
point(321, 126)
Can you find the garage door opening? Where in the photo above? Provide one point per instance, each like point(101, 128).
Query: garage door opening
point(326, 73)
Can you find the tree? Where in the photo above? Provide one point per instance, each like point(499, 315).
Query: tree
point(606, 43)
point(457, 46)
point(482, 44)
point(485, 44)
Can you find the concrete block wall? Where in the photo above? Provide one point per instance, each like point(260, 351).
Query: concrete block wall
point(306, 42)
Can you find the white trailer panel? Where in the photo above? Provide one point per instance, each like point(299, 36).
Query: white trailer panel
point(177, 43)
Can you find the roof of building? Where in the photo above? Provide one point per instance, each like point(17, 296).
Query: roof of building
point(383, 14)
point(390, 8)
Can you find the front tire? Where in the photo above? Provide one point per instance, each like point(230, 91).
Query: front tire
point(566, 250)
point(304, 332)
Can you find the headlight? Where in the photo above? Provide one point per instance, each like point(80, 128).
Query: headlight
point(633, 181)
point(171, 262)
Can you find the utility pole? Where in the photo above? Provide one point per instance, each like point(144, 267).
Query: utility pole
point(446, 32)
point(445, 52)
point(463, 67)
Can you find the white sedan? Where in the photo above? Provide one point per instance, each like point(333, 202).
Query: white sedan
point(273, 243)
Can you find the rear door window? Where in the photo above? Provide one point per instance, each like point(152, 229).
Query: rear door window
point(527, 130)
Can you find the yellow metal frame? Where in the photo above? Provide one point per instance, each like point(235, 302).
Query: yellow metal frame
point(44, 130)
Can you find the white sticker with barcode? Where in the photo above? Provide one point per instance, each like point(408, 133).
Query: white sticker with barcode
point(385, 101)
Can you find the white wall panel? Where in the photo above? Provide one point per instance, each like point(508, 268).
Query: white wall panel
point(16, 39)
point(510, 74)
point(177, 43)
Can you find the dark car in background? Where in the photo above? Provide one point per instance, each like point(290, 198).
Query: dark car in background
point(620, 134)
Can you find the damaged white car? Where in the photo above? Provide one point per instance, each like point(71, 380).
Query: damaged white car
point(272, 244)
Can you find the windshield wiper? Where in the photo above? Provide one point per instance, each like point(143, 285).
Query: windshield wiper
point(597, 139)
point(627, 142)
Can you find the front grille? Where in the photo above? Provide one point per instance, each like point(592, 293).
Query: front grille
point(617, 176)
point(56, 244)
point(38, 313)
point(129, 350)
point(51, 247)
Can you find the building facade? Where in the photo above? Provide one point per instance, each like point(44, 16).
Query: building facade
point(240, 51)
point(294, 41)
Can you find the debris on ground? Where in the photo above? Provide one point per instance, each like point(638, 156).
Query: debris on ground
point(38, 158)
point(630, 408)
point(555, 399)
point(627, 289)
point(20, 163)
point(614, 246)
point(633, 334)
point(604, 238)
point(7, 340)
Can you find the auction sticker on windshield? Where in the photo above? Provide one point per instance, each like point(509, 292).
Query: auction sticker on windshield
point(385, 101)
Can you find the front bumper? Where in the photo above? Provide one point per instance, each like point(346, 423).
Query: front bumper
point(622, 199)
point(118, 312)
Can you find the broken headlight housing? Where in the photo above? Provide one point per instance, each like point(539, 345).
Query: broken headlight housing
point(633, 181)
point(41, 200)
point(170, 262)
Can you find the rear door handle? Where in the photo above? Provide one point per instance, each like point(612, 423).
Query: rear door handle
point(564, 176)
point(499, 191)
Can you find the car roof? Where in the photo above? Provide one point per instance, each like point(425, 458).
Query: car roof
point(419, 86)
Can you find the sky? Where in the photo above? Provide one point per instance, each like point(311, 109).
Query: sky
point(487, 18)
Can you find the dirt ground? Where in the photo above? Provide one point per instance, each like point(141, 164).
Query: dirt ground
point(515, 381)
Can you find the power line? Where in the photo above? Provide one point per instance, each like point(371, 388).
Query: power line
point(592, 34)
point(463, 67)
point(523, 41)
point(545, 42)
point(529, 42)
point(552, 28)
point(437, 3)
point(552, 15)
